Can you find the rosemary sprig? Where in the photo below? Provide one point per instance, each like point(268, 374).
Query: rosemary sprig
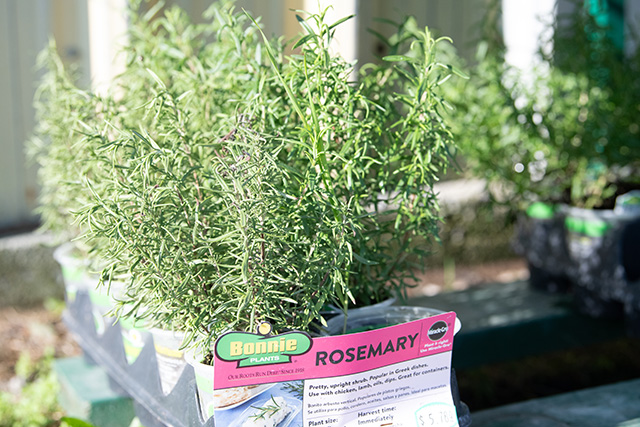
point(267, 411)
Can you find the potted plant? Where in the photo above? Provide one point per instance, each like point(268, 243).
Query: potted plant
point(607, 146)
point(215, 67)
point(301, 145)
point(61, 109)
point(554, 146)
point(230, 185)
point(71, 120)
point(60, 148)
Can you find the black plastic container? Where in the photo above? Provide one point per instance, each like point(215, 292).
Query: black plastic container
point(595, 243)
point(540, 239)
point(630, 258)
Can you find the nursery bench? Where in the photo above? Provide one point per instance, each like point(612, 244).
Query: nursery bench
point(500, 322)
point(610, 405)
point(506, 321)
point(87, 395)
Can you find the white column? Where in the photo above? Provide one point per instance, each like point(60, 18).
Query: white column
point(345, 41)
point(524, 23)
point(107, 34)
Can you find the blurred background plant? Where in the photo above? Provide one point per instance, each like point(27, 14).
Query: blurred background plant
point(561, 133)
point(34, 400)
point(58, 143)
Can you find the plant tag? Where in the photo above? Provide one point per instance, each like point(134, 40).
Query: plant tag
point(394, 376)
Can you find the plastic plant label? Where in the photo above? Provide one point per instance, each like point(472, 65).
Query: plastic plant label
point(394, 376)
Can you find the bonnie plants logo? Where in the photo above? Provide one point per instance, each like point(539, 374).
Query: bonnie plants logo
point(262, 348)
point(438, 330)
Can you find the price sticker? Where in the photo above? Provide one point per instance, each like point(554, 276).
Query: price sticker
point(437, 414)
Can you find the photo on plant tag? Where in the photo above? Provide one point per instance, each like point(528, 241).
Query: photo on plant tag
point(266, 405)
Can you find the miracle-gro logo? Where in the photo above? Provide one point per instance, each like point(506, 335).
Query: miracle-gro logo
point(437, 330)
point(255, 349)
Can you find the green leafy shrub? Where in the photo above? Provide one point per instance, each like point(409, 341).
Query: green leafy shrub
point(228, 184)
point(57, 144)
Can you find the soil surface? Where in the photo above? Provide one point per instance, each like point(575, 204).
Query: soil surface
point(34, 331)
point(459, 277)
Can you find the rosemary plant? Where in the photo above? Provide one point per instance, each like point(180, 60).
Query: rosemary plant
point(228, 184)
point(57, 144)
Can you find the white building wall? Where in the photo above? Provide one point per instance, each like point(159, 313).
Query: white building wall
point(23, 32)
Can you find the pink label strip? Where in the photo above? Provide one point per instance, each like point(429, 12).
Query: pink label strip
point(348, 354)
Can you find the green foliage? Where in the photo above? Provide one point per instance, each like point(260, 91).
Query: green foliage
point(74, 422)
point(227, 184)
point(36, 404)
point(379, 143)
point(57, 144)
point(568, 135)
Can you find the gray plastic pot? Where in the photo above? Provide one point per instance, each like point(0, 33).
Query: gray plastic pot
point(540, 239)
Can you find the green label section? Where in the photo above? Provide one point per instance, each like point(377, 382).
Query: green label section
point(540, 210)
point(255, 350)
point(590, 228)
